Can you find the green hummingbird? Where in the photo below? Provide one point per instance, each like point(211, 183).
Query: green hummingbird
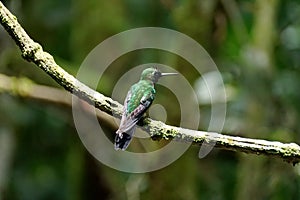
point(139, 98)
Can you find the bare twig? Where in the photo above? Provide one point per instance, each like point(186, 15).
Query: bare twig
point(33, 52)
point(26, 88)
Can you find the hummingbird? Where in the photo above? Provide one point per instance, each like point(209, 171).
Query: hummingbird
point(139, 98)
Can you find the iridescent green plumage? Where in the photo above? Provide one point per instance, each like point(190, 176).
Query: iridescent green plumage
point(142, 89)
point(139, 98)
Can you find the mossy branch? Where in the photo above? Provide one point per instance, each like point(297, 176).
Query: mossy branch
point(33, 52)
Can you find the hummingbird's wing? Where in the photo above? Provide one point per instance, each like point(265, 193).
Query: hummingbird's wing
point(126, 121)
point(129, 120)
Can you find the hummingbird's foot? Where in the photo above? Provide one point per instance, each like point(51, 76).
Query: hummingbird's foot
point(141, 122)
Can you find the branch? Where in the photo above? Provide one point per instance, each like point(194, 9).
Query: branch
point(33, 52)
point(26, 88)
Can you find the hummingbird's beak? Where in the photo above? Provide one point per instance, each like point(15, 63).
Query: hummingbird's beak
point(168, 74)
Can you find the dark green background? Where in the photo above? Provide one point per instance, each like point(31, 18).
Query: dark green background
point(256, 46)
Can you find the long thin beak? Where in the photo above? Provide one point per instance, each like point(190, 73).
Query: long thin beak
point(168, 74)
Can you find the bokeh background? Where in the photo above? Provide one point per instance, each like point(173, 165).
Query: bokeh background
point(256, 46)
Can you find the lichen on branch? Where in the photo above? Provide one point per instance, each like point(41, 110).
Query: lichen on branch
point(33, 52)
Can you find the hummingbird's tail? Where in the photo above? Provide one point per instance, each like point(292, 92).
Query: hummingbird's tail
point(122, 140)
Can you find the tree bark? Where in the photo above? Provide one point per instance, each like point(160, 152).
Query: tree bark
point(33, 52)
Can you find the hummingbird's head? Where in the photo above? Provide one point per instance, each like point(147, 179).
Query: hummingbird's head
point(153, 74)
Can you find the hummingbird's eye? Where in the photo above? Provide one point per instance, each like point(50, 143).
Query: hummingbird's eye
point(157, 73)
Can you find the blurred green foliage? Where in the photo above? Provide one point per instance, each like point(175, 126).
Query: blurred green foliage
point(256, 46)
